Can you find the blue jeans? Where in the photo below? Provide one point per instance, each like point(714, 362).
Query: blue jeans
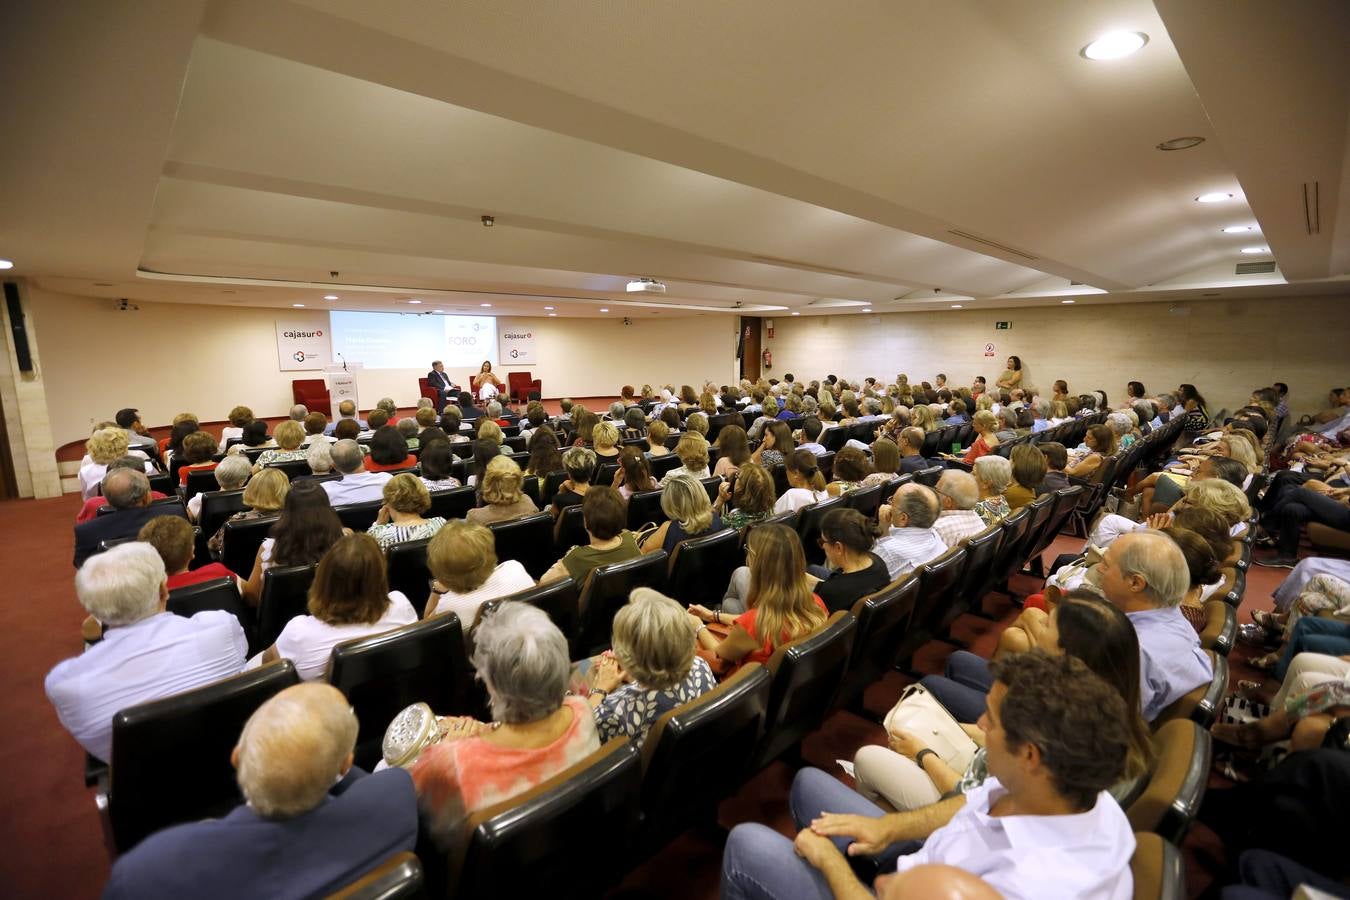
point(758, 862)
point(962, 690)
point(1269, 876)
point(1314, 635)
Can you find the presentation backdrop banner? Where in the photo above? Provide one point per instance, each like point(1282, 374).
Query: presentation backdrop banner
point(517, 346)
point(303, 342)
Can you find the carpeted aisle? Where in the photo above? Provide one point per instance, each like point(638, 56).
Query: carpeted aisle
point(50, 830)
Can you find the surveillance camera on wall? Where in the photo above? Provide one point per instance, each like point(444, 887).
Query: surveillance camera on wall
point(627, 321)
point(125, 305)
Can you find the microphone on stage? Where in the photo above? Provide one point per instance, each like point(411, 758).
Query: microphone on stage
point(344, 362)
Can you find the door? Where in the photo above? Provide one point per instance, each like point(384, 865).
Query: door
point(750, 347)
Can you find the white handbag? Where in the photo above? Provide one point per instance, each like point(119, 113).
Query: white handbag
point(919, 713)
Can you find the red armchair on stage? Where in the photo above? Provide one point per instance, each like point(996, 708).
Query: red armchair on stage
point(313, 393)
point(426, 390)
point(520, 386)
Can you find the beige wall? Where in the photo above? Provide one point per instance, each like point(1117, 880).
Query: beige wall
point(23, 396)
point(1225, 348)
point(167, 358)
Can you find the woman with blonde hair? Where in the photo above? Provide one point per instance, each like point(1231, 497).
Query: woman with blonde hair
point(501, 494)
point(782, 605)
point(688, 514)
point(489, 430)
point(653, 667)
point(465, 573)
point(289, 435)
point(885, 462)
point(400, 519)
point(707, 403)
point(657, 432)
point(264, 495)
point(104, 447)
point(605, 439)
point(921, 416)
point(985, 424)
point(693, 453)
point(697, 423)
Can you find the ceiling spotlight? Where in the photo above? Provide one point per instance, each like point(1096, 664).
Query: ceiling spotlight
point(1068, 301)
point(868, 309)
point(645, 286)
point(6, 264)
point(796, 314)
point(604, 309)
point(550, 307)
point(298, 305)
point(1215, 197)
point(1115, 44)
point(956, 306)
point(414, 301)
point(489, 221)
point(553, 315)
point(1252, 251)
point(485, 304)
point(330, 296)
point(1181, 143)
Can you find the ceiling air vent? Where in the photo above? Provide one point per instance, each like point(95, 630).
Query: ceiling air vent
point(1261, 268)
point(966, 235)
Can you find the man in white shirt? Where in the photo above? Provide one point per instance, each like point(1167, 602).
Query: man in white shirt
point(959, 492)
point(146, 653)
point(1041, 825)
point(356, 484)
point(911, 540)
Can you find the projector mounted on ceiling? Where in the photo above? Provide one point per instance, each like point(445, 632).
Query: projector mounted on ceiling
point(646, 286)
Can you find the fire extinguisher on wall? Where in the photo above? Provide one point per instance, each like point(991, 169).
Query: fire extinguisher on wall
point(768, 359)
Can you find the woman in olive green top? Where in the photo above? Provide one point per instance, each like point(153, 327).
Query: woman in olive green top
point(604, 514)
point(1012, 376)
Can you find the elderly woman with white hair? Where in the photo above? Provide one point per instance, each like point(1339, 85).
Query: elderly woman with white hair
point(993, 474)
point(319, 456)
point(1123, 426)
point(652, 670)
point(231, 475)
point(537, 729)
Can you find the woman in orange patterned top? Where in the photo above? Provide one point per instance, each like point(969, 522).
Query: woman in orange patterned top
point(538, 731)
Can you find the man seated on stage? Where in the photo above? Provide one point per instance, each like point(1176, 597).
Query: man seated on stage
point(346, 410)
point(440, 382)
point(311, 823)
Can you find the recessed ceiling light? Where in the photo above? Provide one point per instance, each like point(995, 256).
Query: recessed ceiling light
point(1238, 229)
point(605, 309)
point(298, 305)
point(1252, 251)
point(1215, 197)
point(796, 314)
point(1181, 143)
point(1068, 301)
point(956, 306)
point(330, 296)
point(553, 315)
point(414, 301)
point(550, 307)
point(868, 309)
point(1115, 44)
point(6, 264)
point(485, 304)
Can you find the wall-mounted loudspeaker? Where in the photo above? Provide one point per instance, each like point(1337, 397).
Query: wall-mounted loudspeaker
point(17, 327)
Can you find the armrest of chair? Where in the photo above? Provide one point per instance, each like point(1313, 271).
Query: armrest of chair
point(958, 465)
point(1220, 627)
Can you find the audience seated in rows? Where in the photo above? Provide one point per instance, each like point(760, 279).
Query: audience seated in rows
point(604, 516)
point(357, 483)
point(91, 506)
point(462, 559)
point(688, 514)
point(303, 533)
point(908, 537)
point(264, 496)
point(128, 493)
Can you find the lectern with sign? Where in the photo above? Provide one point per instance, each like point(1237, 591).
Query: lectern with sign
point(342, 386)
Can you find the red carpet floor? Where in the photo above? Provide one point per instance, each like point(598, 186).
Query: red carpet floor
point(51, 834)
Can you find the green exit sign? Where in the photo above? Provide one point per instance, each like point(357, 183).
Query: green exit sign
point(1002, 326)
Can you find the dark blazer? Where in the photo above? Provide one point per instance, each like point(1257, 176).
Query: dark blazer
point(439, 380)
point(121, 524)
point(910, 464)
point(364, 820)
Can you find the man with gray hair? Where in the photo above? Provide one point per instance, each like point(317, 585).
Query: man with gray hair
point(356, 484)
point(346, 410)
point(1040, 415)
point(298, 412)
point(958, 492)
point(911, 540)
point(146, 653)
point(1144, 574)
point(910, 442)
point(128, 493)
point(231, 474)
point(311, 825)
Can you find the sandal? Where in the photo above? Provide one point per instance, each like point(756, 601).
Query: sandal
point(1249, 691)
point(1265, 663)
point(1267, 620)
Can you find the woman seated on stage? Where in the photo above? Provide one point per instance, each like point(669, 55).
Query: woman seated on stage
point(485, 384)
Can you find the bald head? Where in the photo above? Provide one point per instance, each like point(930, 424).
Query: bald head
point(915, 506)
point(347, 456)
point(126, 488)
point(934, 882)
point(294, 748)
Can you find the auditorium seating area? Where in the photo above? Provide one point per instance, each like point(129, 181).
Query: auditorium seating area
point(720, 759)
